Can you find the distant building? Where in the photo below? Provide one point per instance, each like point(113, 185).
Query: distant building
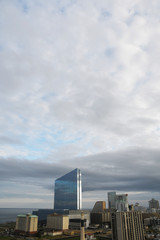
point(147, 221)
point(112, 200)
point(127, 226)
point(26, 223)
point(68, 191)
point(119, 202)
point(153, 204)
point(122, 202)
point(152, 221)
point(57, 221)
point(137, 207)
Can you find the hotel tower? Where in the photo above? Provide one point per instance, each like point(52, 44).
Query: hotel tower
point(68, 191)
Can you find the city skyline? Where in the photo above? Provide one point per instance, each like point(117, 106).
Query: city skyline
point(79, 88)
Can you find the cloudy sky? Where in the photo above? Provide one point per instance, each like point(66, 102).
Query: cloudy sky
point(79, 88)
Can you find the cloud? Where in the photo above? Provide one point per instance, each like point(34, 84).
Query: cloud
point(8, 140)
point(133, 169)
point(80, 88)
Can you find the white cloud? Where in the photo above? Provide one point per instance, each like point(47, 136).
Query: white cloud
point(78, 78)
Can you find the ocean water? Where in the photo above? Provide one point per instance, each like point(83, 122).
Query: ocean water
point(9, 214)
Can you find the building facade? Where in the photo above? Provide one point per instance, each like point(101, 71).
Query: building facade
point(119, 202)
point(75, 218)
point(99, 206)
point(26, 223)
point(111, 200)
point(153, 204)
point(101, 217)
point(99, 214)
point(57, 221)
point(68, 191)
point(127, 226)
point(122, 202)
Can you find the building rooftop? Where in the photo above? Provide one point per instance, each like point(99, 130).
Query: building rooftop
point(24, 215)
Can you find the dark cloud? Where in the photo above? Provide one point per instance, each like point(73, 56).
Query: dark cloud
point(133, 169)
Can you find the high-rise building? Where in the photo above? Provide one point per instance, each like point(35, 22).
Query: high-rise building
point(153, 204)
point(26, 223)
point(119, 202)
point(122, 202)
point(127, 226)
point(68, 191)
point(111, 200)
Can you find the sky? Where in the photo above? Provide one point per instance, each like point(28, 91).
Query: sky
point(79, 88)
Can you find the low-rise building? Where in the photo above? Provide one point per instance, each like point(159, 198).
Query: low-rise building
point(53, 233)
point(75, 218)
point(153, 222)
point(58, 221)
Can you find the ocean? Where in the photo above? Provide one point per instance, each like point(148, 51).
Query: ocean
point(9, 214)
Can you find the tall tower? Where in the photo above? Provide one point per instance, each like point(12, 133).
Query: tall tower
point(68, 191)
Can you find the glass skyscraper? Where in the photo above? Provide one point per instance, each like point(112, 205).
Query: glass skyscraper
point(119, 202)
point(68, 191)
point(111, 200)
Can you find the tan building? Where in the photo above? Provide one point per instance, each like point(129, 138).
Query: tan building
point(99, 213)
point(57, 221)
point(26, 223)
point(99, 207)
point(127, 226)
